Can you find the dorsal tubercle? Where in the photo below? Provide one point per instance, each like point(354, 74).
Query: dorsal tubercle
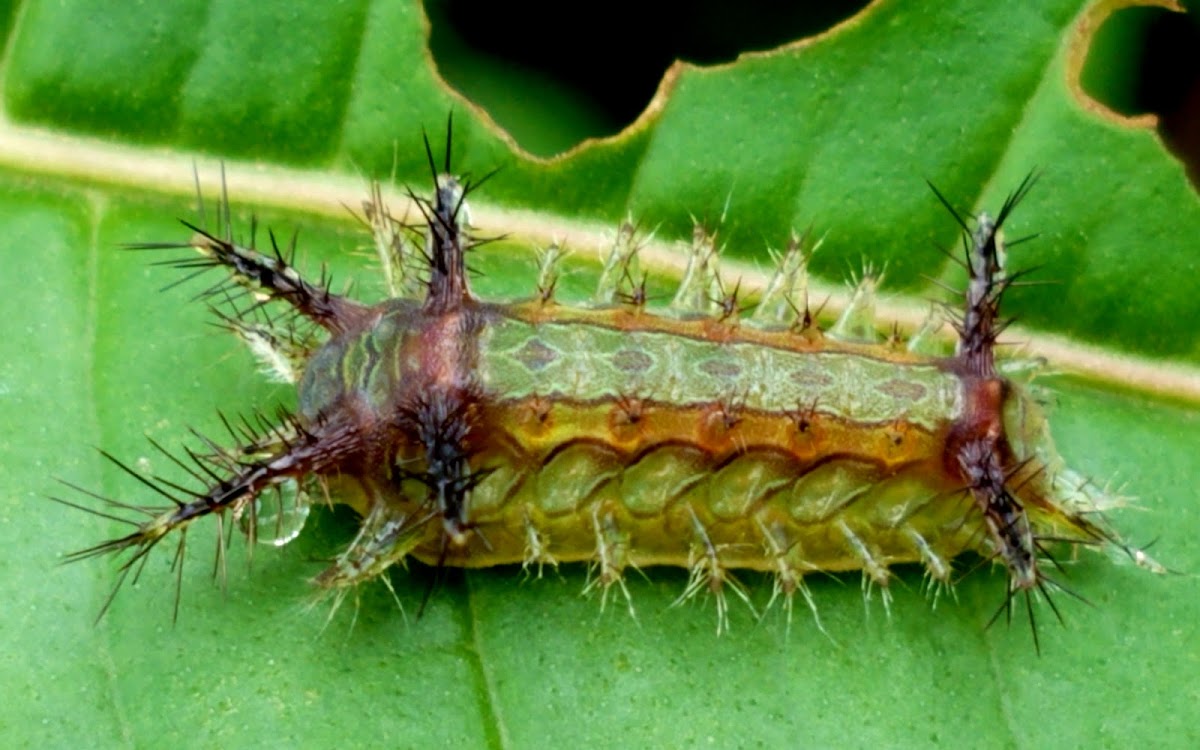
point(980, 324)
point(446, 240)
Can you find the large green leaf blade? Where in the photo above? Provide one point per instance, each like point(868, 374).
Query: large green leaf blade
point(99, 356)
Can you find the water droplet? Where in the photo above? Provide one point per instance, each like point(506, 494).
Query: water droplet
point(278, 515)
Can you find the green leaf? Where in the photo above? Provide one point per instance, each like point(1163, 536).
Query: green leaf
point(106, 106)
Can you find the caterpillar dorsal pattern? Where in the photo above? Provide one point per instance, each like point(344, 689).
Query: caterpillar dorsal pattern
point(471, 433)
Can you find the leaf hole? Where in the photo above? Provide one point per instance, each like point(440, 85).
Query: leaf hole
point(1143, 61)
point(554, 74)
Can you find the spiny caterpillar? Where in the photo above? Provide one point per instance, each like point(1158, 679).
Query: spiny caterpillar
point(470, 433)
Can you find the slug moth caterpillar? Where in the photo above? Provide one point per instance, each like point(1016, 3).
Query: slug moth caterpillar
point(703, 435)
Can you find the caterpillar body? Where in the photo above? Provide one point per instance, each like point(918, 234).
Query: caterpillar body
point(471, 433)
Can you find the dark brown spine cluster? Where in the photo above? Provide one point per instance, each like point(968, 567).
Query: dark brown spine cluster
point(440, 412)
point(978, 449)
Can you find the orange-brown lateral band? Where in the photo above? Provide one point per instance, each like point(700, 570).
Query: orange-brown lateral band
point(535, 427)
point(704, 329)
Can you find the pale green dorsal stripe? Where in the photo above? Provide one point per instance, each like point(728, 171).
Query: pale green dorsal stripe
point(585, 362)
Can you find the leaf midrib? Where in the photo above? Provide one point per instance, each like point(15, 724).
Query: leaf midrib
point(327, 194)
